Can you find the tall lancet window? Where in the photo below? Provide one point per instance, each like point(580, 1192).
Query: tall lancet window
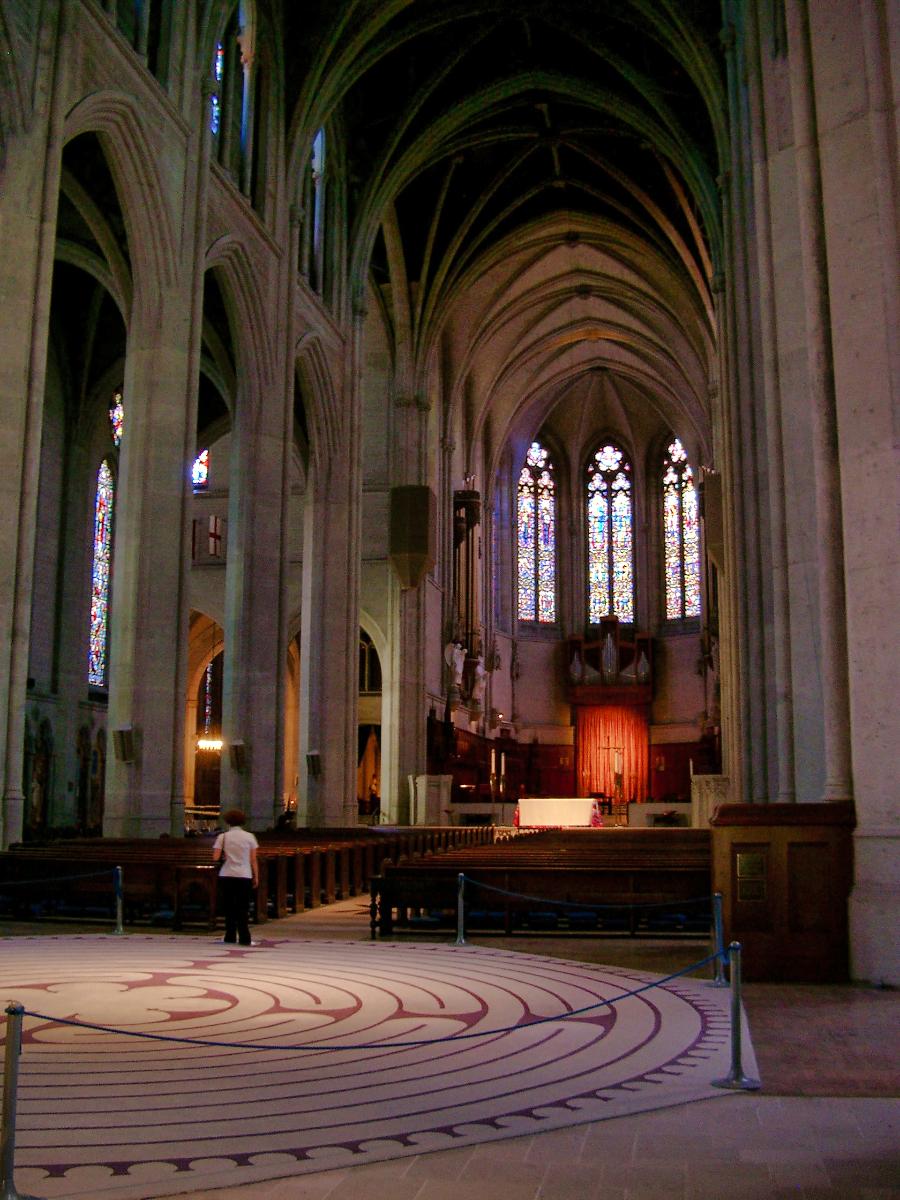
point(536, 527)
point(215, 100)
point(610, 536)
point(317, 169)
point(100, 575)
point(117, 418)
point(681, 535)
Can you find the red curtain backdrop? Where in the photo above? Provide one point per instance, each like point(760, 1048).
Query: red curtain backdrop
point(599, 732)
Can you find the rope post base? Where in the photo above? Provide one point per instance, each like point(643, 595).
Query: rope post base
point(8, 1191)
point(718, 979)
point(119, 930)
point(736, 1080)
point(460, 910)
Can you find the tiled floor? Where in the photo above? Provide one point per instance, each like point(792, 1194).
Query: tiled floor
point(826, 1125)
point(737, 1150)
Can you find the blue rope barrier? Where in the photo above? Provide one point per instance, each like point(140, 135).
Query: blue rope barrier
point(577, 904)
point(56, 878)
point(386, 1045)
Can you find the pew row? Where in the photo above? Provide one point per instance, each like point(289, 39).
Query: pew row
point(647, 876)
point(173, 880)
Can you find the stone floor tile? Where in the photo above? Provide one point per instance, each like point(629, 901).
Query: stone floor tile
point(872, 1172)
point(505, 1150)
point(375, 1187)
point(489, 1188)
point(446, 1164)
point(756, 1189)
point(510, 1174)
point(575, 1183)
point(560, 1145)
point(649, 1176)
point(800, 1175)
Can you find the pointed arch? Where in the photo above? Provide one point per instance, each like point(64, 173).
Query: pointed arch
point(681, 535)
point(229, 258)
point(318, 386)
point(609, 511)
point(101, 575)
point(536, 537)
point(117, 121)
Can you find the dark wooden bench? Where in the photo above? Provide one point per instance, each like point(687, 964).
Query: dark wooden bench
point(174, 879)
point(636, 872)
point(160, 879)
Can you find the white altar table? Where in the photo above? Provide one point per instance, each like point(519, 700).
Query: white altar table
point(558, 812)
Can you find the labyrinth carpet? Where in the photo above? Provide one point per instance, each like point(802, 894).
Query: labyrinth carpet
point(405, 1049)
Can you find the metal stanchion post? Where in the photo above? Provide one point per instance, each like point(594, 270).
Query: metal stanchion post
point(120, 927)
point(719, 979)
point(460, 910)
point(8, 1191)
point(736, 1080)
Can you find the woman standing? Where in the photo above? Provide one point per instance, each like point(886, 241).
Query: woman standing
point(239, 874)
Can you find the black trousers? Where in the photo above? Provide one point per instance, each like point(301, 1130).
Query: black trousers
point(235, 893)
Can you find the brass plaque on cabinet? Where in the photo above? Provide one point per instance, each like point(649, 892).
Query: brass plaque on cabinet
point(751, 889)
point(751, 876)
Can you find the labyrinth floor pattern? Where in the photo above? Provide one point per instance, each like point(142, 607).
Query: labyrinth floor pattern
point(405, 1048)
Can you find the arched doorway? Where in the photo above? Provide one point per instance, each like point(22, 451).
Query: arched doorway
point(203, 724)
point(368, 756)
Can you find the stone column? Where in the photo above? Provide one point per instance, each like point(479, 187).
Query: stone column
point(330, 627)
point(149, 629)
point(820, 369)
point(732, 649)
point(747, 454)
point(407, 615)
point(252, 721)
point(28, 203)
point(781, 636)
point(148, 626)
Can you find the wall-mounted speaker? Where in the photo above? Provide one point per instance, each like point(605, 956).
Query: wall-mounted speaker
point(123, 744)
point(237, 755)
point(314, 763)
point(412, 533)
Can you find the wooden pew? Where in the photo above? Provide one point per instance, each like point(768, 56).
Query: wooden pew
point(615, 867)
point(176, 876)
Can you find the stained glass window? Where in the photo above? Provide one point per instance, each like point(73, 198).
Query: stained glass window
point(681, 535)
point(100, 576)
point(117, 418)
point(536, 529)
point(317, 165)
point(208, 697)
point(215, 104)
point(610, 528)
point(200, 472)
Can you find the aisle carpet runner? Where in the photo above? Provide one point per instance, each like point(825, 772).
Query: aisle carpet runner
point(316, 1055)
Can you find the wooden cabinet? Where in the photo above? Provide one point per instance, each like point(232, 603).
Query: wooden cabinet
point(785, 872)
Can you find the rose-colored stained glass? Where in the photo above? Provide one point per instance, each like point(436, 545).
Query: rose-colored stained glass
point(610, 522)
point(200, 471)
point(536, 537)
point(100, 575)
point(117, 418)
point(681, 535)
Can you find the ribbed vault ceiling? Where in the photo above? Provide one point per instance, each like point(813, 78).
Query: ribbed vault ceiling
point(538, 180)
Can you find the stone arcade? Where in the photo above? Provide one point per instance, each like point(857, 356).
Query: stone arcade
point(563, 336)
